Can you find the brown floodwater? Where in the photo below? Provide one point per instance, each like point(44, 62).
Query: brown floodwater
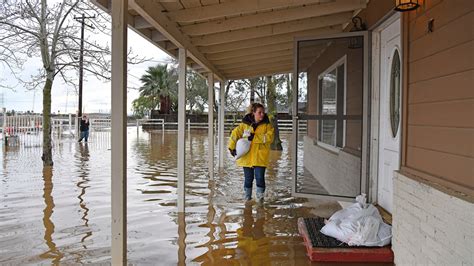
point(62, 215)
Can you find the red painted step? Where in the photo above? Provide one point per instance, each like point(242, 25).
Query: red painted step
point(342, 254)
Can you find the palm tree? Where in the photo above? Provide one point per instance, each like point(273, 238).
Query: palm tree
point(159, 85)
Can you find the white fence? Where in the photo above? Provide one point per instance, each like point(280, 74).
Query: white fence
point(229, 124)
point(27, 130)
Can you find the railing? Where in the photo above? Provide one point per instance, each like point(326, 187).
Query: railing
point(100, 124)
point(27, 130)
point(229, 124)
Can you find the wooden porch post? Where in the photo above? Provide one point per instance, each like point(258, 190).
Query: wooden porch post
point(221, 124)
point(181, 126)
point(119, 134)
point(210, 117)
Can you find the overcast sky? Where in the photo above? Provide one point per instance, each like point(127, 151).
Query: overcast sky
point(96, 93)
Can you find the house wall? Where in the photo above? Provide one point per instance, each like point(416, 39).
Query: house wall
point(439, 124)
point(337, 172)
point(433, 193)
point(430, 227)
point(343, 167)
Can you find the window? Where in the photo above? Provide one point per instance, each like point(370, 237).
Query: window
point(395, 94)
point(331, 102)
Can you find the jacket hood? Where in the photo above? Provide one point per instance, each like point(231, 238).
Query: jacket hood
point(249, 119)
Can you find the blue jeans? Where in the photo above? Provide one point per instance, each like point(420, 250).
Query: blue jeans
point(250, 173)
point(84, 135)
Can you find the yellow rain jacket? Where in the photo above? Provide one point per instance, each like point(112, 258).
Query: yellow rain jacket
point(259, 152)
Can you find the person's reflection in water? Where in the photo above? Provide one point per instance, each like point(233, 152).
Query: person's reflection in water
point(53, 253)
point(253, 245)
point(83, 184)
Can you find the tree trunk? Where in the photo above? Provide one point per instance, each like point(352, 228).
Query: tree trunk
point(272, 110)
point(47, 156)
point(164, 105)
point(289, 93)
point(253, 85)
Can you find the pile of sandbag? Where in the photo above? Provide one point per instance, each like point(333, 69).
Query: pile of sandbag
point(360, 224)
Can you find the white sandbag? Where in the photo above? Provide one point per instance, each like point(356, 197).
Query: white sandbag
point(366, 231)
point(359, 224)
point(242, 147)
point(341, 230)
point(346, 212)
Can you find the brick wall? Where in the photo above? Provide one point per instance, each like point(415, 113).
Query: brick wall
point(429, 226)
point(338, 173)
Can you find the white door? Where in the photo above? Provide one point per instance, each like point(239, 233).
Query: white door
point(390, 112)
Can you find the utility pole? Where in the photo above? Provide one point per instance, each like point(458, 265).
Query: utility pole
point(81, 19)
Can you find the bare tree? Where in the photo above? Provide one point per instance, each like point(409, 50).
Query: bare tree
point(272, 82)
point(32, 28)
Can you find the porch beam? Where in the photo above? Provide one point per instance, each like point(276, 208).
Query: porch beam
point(257, 74)
point(273, 17)
point(275, 29)
point(181, 127)
point(251, 63)
point(251, 51)
point(119, 133)
point(306, 56)
point(153, 13)
point(167, 45)
point(196, 67)
point(231, 8)
point(221, 123)
point(260, 72)
point(257, 65)
point(140, 23)
point(261, 41)
point(262, 68)
point(149, 34)
point(210, 117)
point(156, 36)
point(254, 57)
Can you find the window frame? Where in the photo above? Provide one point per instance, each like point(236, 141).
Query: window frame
point(334, 66)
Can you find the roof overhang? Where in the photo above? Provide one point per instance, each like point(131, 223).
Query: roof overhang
point(236, 39)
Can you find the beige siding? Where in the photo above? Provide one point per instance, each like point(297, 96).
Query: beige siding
point(440, 124)
point(461, 139)
point(434, 90)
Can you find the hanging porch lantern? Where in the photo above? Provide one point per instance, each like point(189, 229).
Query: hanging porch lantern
point(357, 41)
point(406, 5)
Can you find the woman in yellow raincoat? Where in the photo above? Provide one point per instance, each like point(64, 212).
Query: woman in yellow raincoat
point(255, 162)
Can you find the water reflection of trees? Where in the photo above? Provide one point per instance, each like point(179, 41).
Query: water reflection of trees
point(82, 184)
point(53, 253)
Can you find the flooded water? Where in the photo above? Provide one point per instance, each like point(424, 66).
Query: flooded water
point(63, 215)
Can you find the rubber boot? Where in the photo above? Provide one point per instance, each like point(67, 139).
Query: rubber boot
point(248, 193)
point(260, 194)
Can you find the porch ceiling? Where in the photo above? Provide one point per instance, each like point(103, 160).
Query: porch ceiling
point(237, 39)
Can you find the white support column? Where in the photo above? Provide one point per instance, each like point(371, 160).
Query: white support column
point(221, 124)
point(181, 127)
point(119, 134)
point(210, 117)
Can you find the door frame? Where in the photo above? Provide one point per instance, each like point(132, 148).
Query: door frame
point(375, 99)
point(365, 114)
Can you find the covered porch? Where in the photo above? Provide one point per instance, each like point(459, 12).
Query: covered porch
point(242, 39)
